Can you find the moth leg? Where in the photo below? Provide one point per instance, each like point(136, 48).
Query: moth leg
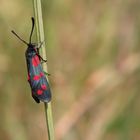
point(47, 73)
point(35, 98)
point(37, 53)
point(41, 57)
point(40, 44)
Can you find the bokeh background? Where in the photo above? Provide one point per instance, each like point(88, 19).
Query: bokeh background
point(93, 53)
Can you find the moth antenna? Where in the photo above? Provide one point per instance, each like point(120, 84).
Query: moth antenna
point(33, 23)
point(19, 37)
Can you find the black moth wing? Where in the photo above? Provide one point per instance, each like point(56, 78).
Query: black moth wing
point(37, 79)
point(41, 90)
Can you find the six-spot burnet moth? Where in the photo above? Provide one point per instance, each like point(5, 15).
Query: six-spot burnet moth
point(36, 76)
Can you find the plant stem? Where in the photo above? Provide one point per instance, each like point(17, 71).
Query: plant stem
point(40, 37)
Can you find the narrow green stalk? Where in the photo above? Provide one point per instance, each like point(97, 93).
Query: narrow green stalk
point(40, 37)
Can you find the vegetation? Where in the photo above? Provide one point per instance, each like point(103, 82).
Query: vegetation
point(93, 57)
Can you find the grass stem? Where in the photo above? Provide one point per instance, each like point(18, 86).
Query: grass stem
point(40, 37)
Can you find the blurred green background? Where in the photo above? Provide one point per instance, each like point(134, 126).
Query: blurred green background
point(93, 53)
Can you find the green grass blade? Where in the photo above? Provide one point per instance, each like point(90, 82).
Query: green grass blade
point(40, 37)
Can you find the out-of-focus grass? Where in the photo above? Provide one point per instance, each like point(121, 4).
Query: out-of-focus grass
point(93, 57)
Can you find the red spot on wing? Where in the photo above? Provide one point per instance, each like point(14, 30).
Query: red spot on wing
point(39, 91)
point(36, 77)
point(41, 74)
point(35, 61)
point(44, 87)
